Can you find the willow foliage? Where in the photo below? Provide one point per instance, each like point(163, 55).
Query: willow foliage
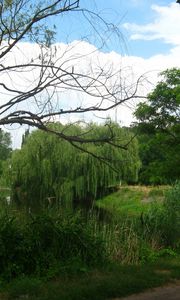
point(50, 168)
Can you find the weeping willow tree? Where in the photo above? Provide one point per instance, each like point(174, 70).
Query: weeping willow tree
point(48, 168)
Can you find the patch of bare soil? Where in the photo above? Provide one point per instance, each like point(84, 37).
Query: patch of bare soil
point(168, 292)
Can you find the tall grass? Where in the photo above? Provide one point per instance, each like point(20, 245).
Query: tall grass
point(147, 234)
point(162, 220)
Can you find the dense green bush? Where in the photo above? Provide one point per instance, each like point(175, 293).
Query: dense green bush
point(43, 243)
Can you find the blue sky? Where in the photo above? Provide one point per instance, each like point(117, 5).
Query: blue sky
point(123, 13)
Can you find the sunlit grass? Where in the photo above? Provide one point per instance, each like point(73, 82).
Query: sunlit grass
point(131, 200)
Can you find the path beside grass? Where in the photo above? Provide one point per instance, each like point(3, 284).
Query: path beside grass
point(170, 292)
point(114, 282)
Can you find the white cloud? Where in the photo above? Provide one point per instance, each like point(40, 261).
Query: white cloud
point(166, 25)
point(131, 68)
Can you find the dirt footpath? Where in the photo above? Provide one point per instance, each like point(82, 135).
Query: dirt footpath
point(169, 292)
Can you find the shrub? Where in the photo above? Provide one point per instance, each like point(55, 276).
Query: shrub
point(43, 242)
point(24, 287)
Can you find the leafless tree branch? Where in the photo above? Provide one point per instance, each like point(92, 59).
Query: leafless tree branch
point(35, 99)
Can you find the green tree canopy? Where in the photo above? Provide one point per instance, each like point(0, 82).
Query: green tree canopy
point(159, 128)
point(47, 166)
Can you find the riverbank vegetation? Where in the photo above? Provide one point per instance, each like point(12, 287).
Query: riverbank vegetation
point(104, 247)
point(76, 219)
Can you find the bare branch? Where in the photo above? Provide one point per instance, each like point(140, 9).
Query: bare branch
point(32, 87)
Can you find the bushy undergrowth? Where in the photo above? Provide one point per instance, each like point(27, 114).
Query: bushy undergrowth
point(161, 223)
point(54, 242)
point(44, 244)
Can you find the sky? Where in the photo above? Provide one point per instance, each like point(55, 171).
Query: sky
point(145, 38)
point(148, 27)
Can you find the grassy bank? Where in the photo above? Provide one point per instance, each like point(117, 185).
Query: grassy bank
point(132, 200)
